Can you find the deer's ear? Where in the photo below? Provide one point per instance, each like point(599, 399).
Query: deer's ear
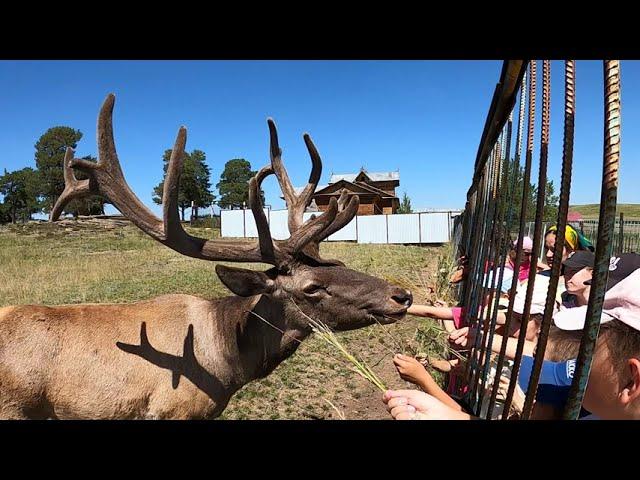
point(245, 283)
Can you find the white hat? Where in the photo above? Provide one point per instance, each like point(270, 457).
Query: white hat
point(538, 299)
point(621, 302)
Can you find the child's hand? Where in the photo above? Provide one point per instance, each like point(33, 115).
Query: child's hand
point(409, 368)
point(412, 404)
point(461, 337)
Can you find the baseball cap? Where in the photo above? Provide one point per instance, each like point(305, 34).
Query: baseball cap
point(621, 302)
point(579, 260)
point(621, 266)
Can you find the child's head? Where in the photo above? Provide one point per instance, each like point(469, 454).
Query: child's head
point(527, 248)
point(613, 390)
point(562, 345)
point(578, 272)
point(573, 241)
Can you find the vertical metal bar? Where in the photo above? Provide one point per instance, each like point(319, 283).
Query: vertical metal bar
point(511, 195)
point(606, 222)
point(523, 214)
point(563, 209)
point(537, 234)
point(486, 278)
point(502, 251)
point(478, 258)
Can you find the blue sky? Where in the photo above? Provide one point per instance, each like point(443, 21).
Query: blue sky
point(424, 118)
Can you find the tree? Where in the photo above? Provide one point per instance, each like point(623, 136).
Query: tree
point(201, 192)
point(234, 184)
point(405, 206)
point(50, 151)
point(550, 211)
point(5, 217)
point(20, 190)
point(194, 182)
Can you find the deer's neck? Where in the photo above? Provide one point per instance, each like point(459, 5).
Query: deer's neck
point(259, 333)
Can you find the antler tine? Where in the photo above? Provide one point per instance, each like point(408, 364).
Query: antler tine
point(316, 171)
point(264, 234)
point(342, 218)
point(73, 188)
point(172, 226)
point(342, 200)
point(278, 167)
point(310, 230)
point(296, 204)
point(106, 144)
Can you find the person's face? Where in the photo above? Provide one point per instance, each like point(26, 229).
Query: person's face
point(574, 279)
point(526, 256)
point(550, 245)
point(612, 394)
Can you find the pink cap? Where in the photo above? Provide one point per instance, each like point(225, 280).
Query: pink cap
point(527, 244)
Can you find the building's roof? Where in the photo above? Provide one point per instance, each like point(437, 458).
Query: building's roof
point(574, 216)
point(374, 176)
point(298, 190)
point(362, 185)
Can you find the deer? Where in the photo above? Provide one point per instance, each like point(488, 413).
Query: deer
point(180, 356)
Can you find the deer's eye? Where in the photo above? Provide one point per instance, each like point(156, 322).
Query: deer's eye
point(313, 288)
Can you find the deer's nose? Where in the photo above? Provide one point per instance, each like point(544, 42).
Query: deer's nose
point(403, 297)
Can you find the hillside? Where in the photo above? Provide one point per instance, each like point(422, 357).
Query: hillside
point(630, 210)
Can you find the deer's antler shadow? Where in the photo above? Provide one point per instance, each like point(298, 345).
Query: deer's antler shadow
point(187, 365)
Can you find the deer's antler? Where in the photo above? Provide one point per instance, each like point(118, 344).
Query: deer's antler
point(107, 180)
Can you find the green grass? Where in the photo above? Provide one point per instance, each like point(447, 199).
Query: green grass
point(76, 263)
point(631, 211)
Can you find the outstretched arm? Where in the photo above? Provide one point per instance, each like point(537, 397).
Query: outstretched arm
point(412, 371)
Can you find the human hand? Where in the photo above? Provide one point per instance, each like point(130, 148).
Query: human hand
point(409, 368)
point(462, 337)
point(415, 405)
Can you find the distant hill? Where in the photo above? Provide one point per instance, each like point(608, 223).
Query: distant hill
point(630, 210)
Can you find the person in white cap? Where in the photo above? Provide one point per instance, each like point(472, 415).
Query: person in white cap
point(613, 390)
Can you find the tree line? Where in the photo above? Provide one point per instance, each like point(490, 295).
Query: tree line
point(30, 191)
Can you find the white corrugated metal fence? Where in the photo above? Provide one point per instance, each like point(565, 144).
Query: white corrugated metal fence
point(424, 227)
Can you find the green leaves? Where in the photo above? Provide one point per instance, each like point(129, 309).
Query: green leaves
point(20, 190)
point(234, 184)
point(405, 205)
point(194, 182)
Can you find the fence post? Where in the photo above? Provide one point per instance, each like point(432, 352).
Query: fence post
point(357, 237)
point(621, 234)
point(386, 221)
point(213, 235)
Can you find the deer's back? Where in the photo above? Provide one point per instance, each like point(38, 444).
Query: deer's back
point(68, 361)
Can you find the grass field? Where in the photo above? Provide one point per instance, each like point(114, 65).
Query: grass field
point(631, 211)
point(99, 262)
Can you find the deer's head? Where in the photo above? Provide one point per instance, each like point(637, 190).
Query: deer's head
point(322, 289)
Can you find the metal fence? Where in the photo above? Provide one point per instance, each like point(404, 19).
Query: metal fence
point(412, 228)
